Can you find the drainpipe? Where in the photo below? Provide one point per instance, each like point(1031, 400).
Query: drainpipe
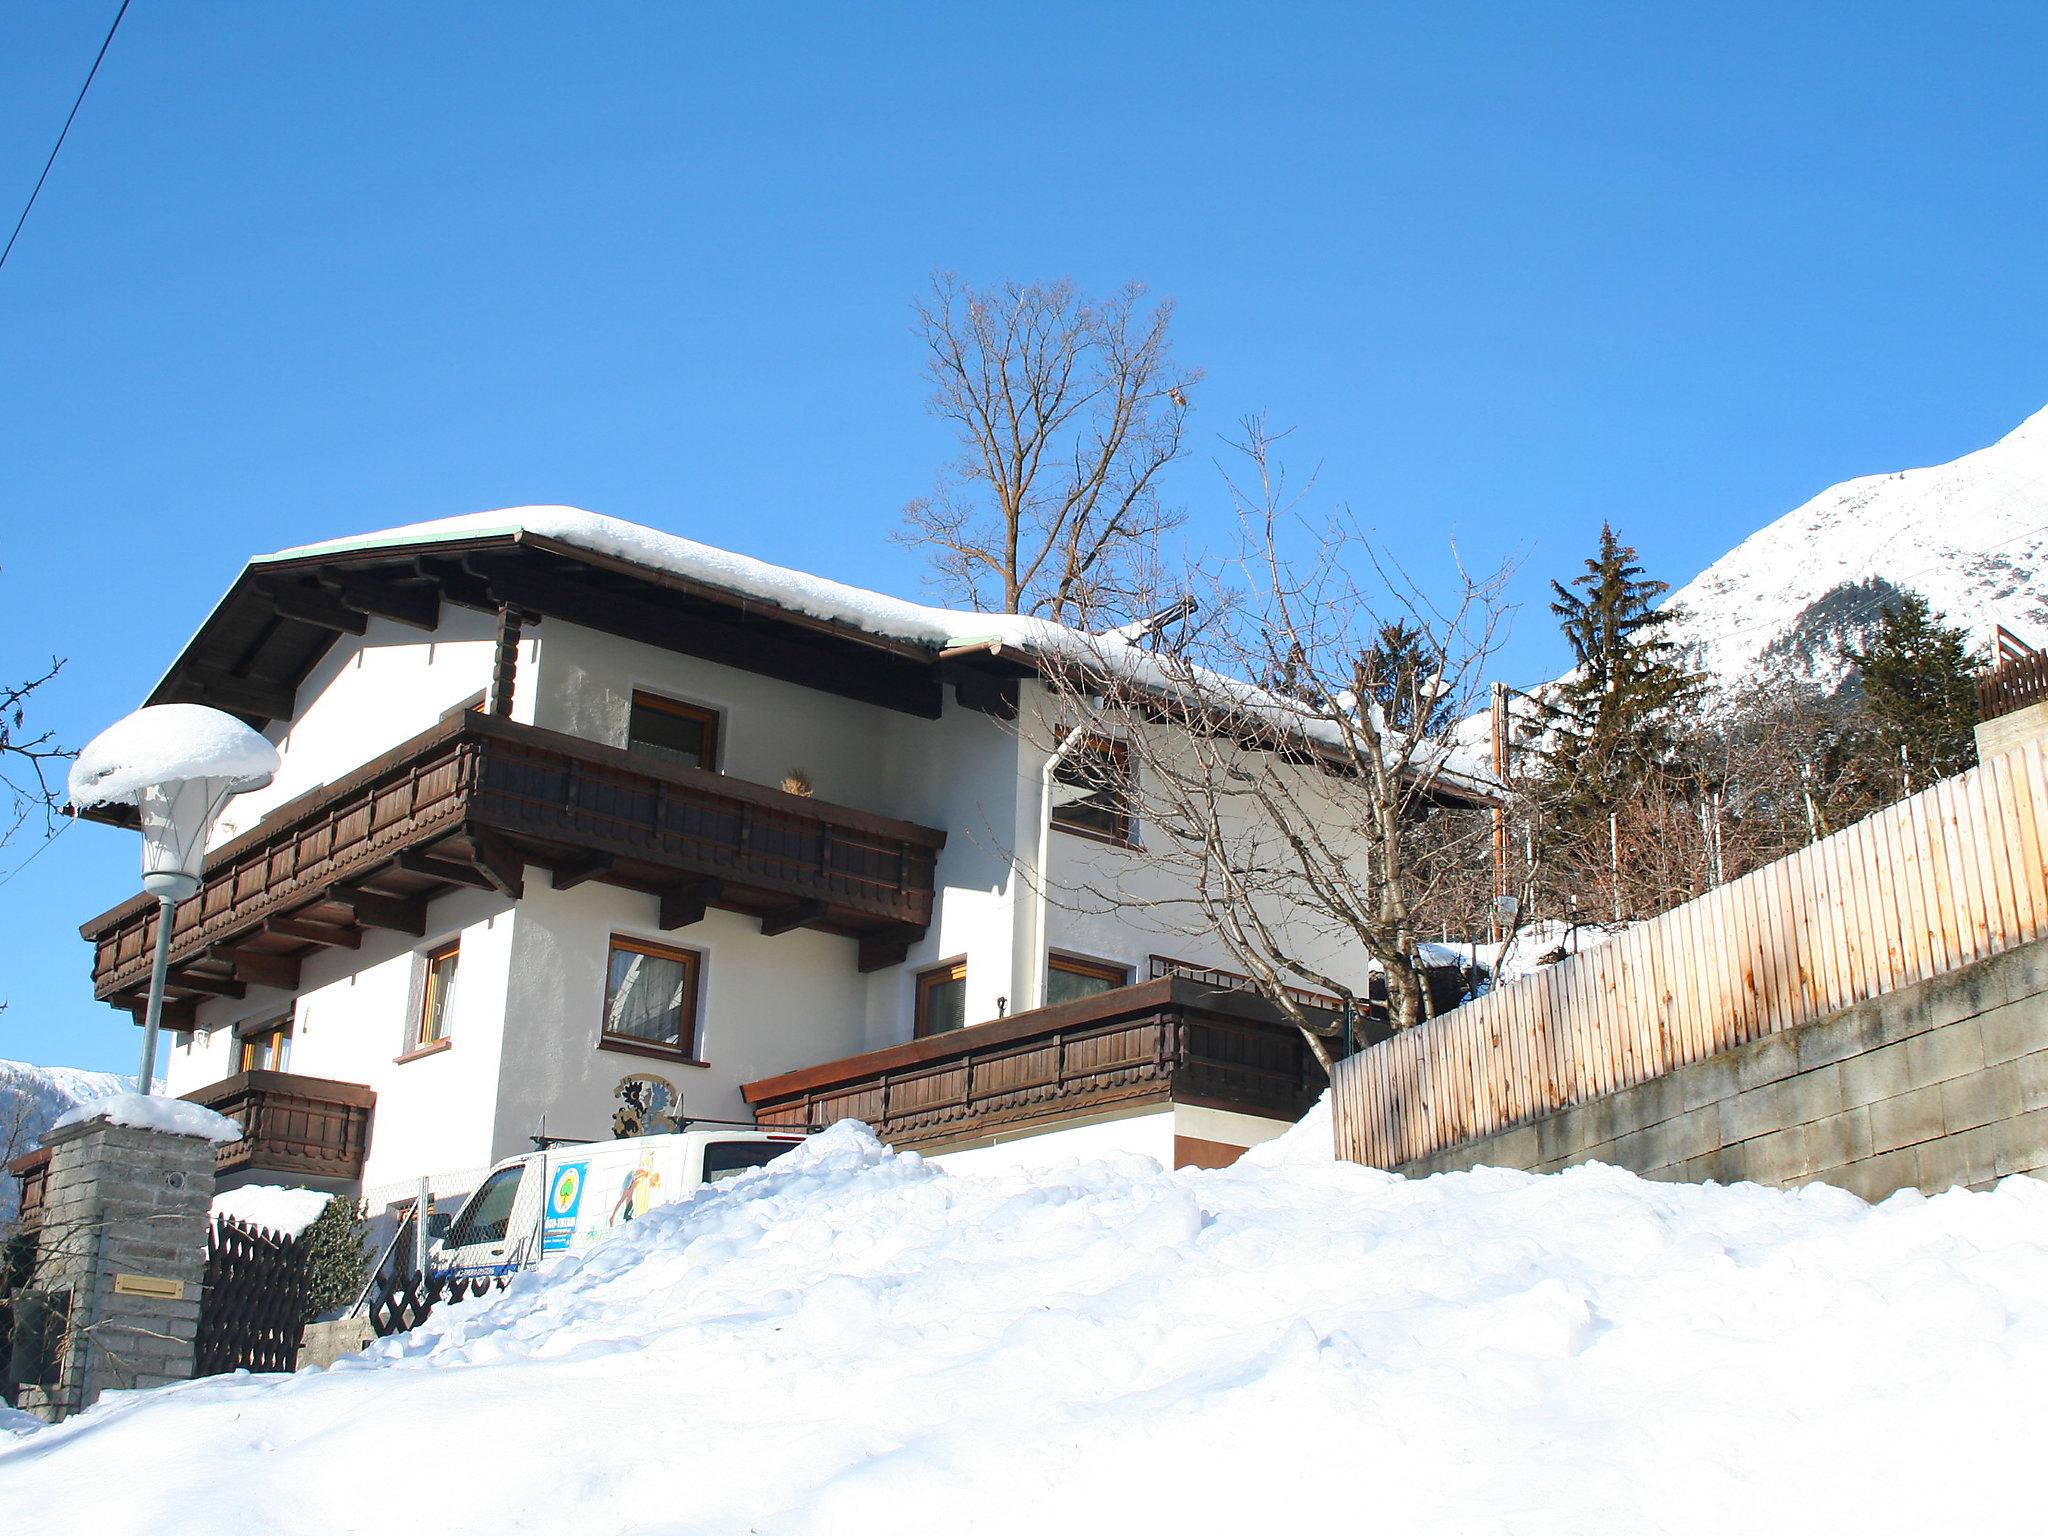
point(1034, 988)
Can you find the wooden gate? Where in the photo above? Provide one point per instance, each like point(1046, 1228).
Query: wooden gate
point(255, 1304)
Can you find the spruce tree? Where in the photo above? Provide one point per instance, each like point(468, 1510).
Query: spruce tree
point(335, 1259)
point(1613, 722)
point(1919, 693)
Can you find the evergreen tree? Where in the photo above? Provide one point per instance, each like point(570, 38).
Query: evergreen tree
point(1919, 693)
point(1613, 723)
point(334, 1257)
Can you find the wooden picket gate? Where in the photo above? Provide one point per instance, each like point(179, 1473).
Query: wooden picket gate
point(253, 1312)
point(1953, 875)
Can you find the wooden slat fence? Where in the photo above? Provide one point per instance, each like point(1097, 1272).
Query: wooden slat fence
point(2013, 684)
point(1951, 876)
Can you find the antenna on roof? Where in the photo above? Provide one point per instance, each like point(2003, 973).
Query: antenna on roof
point(1145, 628)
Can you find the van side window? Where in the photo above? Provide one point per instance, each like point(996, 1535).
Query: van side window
point(484, 1219)
point(729, 1159)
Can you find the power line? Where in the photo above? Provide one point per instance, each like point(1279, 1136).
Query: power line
point(90, 74)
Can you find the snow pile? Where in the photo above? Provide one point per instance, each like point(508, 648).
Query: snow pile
point(31, 1100)
point(166, 743)
point(1971, 536)
point(850, 1341)
point(155, 1112)
point(279, 1208)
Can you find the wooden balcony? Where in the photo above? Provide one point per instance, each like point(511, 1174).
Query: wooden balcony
point(1167, 1039)
point(2012, 685)
point(478, 801)
point(292, 1125)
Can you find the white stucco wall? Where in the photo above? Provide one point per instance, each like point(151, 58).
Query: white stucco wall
point(767, 1005)
point(367, 695)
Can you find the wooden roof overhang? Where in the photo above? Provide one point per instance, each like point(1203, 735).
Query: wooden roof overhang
point(1167, 1039)
point(478, 801)
point(283, 612)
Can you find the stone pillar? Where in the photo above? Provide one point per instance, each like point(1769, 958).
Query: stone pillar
point(120, 1261)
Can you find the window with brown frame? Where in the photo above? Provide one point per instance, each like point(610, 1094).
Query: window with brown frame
point(942, 999)
point(1091, 790)
point(1070, 977)
point(437, 996)
point(673, 731)
point(265, 1046)
point(650, 998)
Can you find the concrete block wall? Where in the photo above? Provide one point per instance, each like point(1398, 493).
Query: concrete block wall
point(1942, 1084)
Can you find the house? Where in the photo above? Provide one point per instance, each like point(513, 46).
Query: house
point(575, 815)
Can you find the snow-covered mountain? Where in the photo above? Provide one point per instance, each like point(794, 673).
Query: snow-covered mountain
point(1970, 536)
point(31, 1098)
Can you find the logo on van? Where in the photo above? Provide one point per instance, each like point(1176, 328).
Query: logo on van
point(568, 1190)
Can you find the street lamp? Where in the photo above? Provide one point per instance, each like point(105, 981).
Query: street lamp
point(178, 764)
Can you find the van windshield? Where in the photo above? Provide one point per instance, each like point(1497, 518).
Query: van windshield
point(484, 1219)
point(724, 1159)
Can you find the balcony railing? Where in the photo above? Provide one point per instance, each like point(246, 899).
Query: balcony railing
point(479, 800)
point(1171, 1038)
point(2012, 685)
point(291, 1124)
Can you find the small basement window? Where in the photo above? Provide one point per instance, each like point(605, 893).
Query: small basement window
point(1069, 977)
point(1091, 790)
point(942, 999)
point(650, 996)
point(673, 731)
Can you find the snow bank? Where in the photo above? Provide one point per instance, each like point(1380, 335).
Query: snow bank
point(279, 1208)
point(155, 1112)
point(161, 743)
point(850, 1342)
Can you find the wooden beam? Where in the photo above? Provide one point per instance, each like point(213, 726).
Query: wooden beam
point(312, 605)
point(456, 585)
point(795, 915)
point(418, 605)
point(241, 695)
point(683, 903)
point(887, 947)
point(992, 696)
point(179, 1012)
point(571, 873)
point(374, 909)
point(886, 681)
point(333, 935)
point(500, 864)
point(265, 970)
point(420, 862)
point(211, 985)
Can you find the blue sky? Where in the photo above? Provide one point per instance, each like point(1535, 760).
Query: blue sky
point(1506, 270)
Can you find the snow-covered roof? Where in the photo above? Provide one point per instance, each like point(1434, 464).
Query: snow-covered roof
point(815, 597)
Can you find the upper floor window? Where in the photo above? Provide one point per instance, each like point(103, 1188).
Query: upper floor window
point(942, 999)
point(437, 997)
point(672, 730)
point(1069, 977)
point(266, 1046)
point(1091, 790)
point(650, 996)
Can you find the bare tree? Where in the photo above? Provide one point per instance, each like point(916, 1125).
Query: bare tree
point(1288, 755)
point(1067, 409)
point(29, 761)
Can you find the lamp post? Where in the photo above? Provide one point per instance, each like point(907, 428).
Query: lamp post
point(178, 764)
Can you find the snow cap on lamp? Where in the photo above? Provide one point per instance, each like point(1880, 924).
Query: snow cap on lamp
point(179, 763)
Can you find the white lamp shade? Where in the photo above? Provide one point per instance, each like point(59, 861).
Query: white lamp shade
point(176, 818)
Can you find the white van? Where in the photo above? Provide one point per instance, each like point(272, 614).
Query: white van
point(533, 1209)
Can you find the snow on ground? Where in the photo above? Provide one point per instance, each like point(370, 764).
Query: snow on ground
point(155, 1112)
point(165, 743)
point(1534, 947)
point(852, 1341)
point(31, 1099)
point(279, 1208)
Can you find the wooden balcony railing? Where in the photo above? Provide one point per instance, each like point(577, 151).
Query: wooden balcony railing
point(478, 800)
point(31, 1173)
point(291, 1124)
point(1170, 1038)
point(2012, 685)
